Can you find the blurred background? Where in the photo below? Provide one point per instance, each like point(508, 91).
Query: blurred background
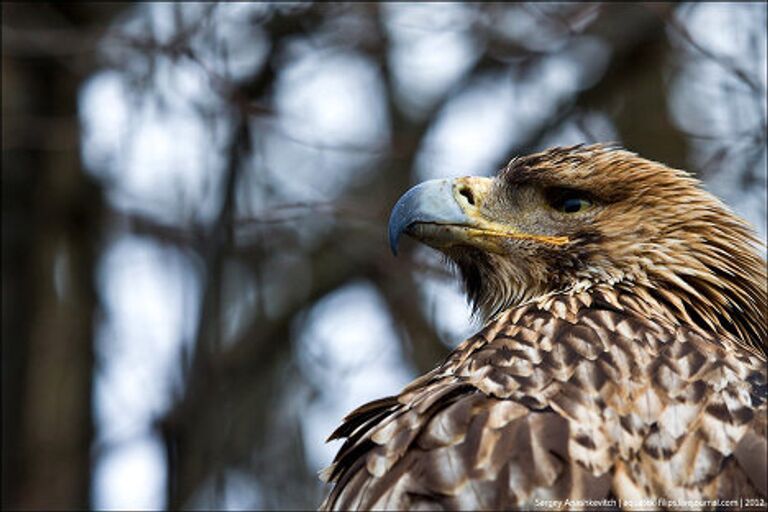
point(196, 284)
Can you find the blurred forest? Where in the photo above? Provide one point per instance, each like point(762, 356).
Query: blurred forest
point(196, 284)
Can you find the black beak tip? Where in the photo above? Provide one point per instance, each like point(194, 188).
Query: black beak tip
point(399, 220)
point(395, 231)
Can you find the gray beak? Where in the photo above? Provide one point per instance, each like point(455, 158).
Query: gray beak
point(430, 202)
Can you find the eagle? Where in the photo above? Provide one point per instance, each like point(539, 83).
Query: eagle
point(622, 362)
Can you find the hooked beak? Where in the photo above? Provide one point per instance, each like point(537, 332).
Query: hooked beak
point(451, 212)
point(439, 212)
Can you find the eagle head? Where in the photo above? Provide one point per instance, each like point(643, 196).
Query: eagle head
point(571, 218)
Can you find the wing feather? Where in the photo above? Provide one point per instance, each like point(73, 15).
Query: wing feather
point(579, 397)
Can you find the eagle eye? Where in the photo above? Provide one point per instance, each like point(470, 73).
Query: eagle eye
point(575, 204)
point(568, 200)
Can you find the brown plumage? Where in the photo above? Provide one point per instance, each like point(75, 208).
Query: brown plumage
point(623, 358)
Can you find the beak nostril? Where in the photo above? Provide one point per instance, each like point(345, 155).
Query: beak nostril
point(467, 193)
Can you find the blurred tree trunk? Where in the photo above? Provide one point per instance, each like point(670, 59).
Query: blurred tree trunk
point(639, 107)
point(52, 215)
point(632, 90)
